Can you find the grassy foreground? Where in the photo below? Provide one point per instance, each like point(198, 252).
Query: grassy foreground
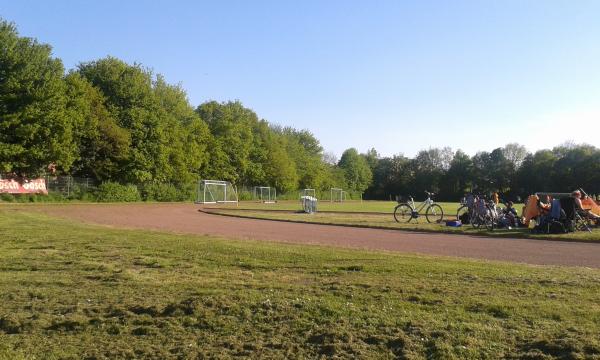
point(77, 291)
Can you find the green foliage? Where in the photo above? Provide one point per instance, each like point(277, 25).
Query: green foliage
point(357, 172)
point(103, 146)
point(307, 155)
point(7, 197)
point(115, 192)
point(231, 125)
point(34, 127)
point(32, 198)
point(166, 192)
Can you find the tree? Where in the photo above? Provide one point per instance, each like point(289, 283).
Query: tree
point(356, 170)
point(459, 178)
point(372, 157)
point(536, 173)
point(102, 145)
point(514, 153)
point(231, 126)
point(129, 95)
point(34, 128)
point(330, 158)
point(428, 167)
point(306, 152)
point(185, 135)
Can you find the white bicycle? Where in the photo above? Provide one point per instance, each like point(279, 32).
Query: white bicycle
point(405, 212)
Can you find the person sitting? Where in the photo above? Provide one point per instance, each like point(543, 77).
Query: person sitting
point(510, 214)
point(545, 205)
point(586, 214)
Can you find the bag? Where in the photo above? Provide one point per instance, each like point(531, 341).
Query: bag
point(454, 223)
point(464, 218)
point(556, 227)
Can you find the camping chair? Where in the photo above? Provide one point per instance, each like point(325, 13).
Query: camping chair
point(573, 219)
point(553, 220)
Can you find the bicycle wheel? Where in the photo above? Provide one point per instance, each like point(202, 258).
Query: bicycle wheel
point(461, 212)
point(476, 221)
point(488, 222)
point(403, 213)
point(434, 213)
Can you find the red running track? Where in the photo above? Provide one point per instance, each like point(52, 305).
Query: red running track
point(185, 218)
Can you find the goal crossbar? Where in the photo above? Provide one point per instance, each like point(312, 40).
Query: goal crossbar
point(265, 194)
point(340, 191)
point(215, 191)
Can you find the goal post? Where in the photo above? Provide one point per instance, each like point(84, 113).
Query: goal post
point(265, 194)
point(308, 192)
point(215, 192)
point(337, 195)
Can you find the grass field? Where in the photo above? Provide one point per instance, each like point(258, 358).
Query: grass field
point(347, 206)
point(72, 291)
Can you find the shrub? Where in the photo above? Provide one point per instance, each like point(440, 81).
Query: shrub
point(245, 195)
point(7, 197)
point(114, 192)
point(166, 192)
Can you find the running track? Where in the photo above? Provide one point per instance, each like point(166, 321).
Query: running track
point(185, 218)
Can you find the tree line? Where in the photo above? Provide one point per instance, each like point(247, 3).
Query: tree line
point(510, 170)
point(113, 121)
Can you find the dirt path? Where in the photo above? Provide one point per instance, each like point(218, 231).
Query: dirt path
point(185, 218)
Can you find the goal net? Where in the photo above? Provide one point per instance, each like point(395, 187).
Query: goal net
point(265, 194)
point(337, 195)
point(215, 191)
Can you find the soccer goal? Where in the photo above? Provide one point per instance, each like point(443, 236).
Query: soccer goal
point(265, 194)
point(337, 195)
point(308, 192)
point(215, 191)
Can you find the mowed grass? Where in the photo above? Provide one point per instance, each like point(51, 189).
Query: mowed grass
point(369, 206)
point(71, 291)
point(386, 221)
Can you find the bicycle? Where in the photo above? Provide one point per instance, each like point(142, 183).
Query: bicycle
point(405, 212)
point(466, 212)
point(477, 212)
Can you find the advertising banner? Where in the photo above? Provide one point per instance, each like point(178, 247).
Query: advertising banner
point(33, 186)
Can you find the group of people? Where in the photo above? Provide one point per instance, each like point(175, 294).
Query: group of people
point(584, 213)
point(577, 196)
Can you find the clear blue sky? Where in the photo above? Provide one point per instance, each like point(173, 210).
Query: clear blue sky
point(399, 76)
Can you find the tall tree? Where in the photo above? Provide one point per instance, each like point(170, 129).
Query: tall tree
point(515, 154)
point(34, 128)
point(356, 170)
point(231, 125)
point(306, 152)
point(129, 94)
point(102, 145)
point(459, 177)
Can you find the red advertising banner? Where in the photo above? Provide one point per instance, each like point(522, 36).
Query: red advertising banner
point(34, 186)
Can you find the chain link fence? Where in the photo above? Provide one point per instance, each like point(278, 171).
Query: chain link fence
point(69, 186)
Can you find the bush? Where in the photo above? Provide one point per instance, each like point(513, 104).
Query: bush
point(32, 198)
point(7, 197)
point(166, 192)
point(114, 192)
point(245, 195)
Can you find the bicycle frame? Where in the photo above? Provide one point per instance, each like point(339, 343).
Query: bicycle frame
point(427, 202)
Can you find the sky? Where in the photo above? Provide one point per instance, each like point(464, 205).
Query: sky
point(397, 76)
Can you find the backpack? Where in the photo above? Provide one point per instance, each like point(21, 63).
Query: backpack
point(464, 218)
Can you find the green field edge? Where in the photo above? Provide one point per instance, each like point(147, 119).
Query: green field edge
point(488, 235)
